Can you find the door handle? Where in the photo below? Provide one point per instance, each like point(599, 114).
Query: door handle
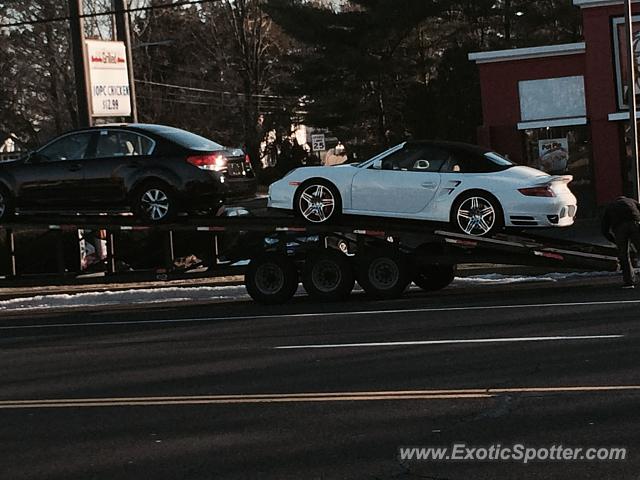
point(429, 185)
point(75, 167)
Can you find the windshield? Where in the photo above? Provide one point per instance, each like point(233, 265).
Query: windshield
point(381, 155)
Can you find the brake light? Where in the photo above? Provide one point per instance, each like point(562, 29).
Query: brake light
point(210, 161)
point(247, 162)
point(544, 191)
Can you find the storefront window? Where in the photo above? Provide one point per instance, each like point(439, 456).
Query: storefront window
point(565, 151)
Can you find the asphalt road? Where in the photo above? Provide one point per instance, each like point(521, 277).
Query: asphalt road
point(324, 391)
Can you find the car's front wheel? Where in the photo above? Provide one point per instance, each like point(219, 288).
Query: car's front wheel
point(154, 202)
point(318, 201)
point(477, 213)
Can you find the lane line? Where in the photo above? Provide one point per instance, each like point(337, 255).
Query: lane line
point(447, 394)
point(325, 314)
point(450, 342)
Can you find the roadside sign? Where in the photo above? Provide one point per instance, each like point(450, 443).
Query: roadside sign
point(317, 142)
point(108, 79)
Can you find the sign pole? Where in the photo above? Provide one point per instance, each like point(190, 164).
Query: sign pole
point(123, 34)
point(77, 46)
point(631, 95)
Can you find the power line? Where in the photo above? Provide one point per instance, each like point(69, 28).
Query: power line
point(109, 12)
point(205, 90)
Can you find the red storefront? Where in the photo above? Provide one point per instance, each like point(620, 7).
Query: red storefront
point(562, 108)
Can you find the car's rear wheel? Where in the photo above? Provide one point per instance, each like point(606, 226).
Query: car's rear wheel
point(328, 275)
point(318, 201)
point(154, 202)
point(6, 204)
point(477, 213)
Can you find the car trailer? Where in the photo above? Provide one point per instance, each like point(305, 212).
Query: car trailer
point(275, 253)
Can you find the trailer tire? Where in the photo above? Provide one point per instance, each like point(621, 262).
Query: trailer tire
point(434, 277)
point(328, 275)
point(383, 273)
point(271, 278)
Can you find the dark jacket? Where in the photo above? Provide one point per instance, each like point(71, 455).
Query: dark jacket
point(622, 210)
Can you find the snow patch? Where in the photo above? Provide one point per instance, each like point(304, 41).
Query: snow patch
point(229, 293)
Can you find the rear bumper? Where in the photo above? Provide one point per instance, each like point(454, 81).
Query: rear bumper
point(210, 191)
point(543, 212)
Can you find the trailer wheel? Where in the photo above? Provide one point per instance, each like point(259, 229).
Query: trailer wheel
point(328, 275)
point(434, 277)
point(271, 278)
point(383, 274)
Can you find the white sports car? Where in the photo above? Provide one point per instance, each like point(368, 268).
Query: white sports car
point(475, 189)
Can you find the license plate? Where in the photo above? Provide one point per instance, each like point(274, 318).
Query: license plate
point(236, 169)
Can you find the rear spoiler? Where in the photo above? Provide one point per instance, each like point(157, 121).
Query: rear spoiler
point(555, 179)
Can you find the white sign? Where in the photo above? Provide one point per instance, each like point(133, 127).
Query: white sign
point(317, 142)
point(108, 79)
point(553, 155)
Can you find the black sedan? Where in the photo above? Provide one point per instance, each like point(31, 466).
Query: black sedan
point(155, 171)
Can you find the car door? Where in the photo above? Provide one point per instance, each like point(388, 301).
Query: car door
point(53, 177)
point(404, 182)
point(118, 153)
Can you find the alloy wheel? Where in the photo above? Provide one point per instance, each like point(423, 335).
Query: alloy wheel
point(155, 203)
point(476, 216)
point(317, 203)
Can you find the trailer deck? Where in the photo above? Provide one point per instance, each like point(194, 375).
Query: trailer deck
point(275, 252)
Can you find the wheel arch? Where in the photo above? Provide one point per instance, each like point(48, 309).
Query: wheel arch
point(135, 186)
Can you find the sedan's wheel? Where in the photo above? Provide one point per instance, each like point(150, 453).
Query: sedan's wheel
point(477, 214)
point(383, 274)
point(318, 202)
point(6, 205)
point(328, 275)
point(155, 203)
point(434, 277)
point(271, 278)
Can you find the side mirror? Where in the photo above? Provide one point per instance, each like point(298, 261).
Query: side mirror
point(377, 165)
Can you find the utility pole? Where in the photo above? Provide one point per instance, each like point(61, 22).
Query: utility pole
point(77, 46)
point(631, 95)
point(123, 34)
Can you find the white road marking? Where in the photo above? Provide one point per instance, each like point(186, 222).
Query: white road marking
point(327, 314)
point(451, 342)
point(393, 395)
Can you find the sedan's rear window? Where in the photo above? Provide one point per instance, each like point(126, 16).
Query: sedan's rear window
point(189, 140)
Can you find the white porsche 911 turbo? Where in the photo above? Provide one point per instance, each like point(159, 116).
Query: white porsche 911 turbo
point(477, 190)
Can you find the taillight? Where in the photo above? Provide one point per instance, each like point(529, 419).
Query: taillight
point(544, 191)
point(247, 162)
point(210, 161)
